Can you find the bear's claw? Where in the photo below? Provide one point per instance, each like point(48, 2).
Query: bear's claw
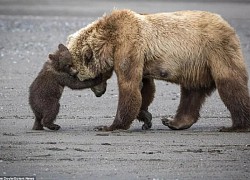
point(166, 121)
point(170, 123)
point(146, 126)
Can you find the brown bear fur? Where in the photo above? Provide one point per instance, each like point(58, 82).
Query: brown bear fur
point(198, 50)
point(46, 89)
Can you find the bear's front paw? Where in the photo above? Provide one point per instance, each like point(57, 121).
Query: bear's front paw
point(146, 117)
point(101, 128)
point(146, 126)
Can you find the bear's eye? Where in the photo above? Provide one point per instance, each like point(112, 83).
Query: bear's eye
point(88, 56)
point(68, 66)
point(87, 59)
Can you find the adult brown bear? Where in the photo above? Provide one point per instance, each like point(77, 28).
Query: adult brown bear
point(198, 50)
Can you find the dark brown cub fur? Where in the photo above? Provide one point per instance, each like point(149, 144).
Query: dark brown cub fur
point(47, 88)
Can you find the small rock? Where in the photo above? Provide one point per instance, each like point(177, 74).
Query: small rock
point(106, 144)
point(102, 134)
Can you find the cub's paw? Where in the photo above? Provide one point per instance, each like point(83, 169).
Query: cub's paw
point(101, 128)
point(53, 127)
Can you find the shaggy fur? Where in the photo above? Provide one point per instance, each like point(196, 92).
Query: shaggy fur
point(198, 50)
point(47, 88)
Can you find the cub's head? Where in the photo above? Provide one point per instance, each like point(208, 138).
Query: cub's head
point(62, 61)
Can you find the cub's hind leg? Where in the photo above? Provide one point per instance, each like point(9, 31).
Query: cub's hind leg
point(37, 124)
point(50, 116)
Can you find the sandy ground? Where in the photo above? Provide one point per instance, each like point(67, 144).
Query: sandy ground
point(29, 30)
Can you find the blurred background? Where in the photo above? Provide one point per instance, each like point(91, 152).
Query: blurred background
point(90, 8)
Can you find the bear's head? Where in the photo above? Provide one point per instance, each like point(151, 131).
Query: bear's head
point(62, 61)
point(92, 56)
point(98, 65)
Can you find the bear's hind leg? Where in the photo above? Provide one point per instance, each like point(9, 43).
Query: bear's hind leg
point(147, 92)
point(235, 95)
point(50, 116)
point(188, 110)
point(37, 124)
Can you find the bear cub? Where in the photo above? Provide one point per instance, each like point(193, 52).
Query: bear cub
point(47, 88)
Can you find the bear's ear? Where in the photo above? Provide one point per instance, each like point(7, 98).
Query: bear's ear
point(61, 47)
point(87, 54)
point(53, 57)
point(70, 38)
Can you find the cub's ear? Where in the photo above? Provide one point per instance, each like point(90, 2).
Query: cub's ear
point(61, 47)
point(53, 57)
point(87, 54)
